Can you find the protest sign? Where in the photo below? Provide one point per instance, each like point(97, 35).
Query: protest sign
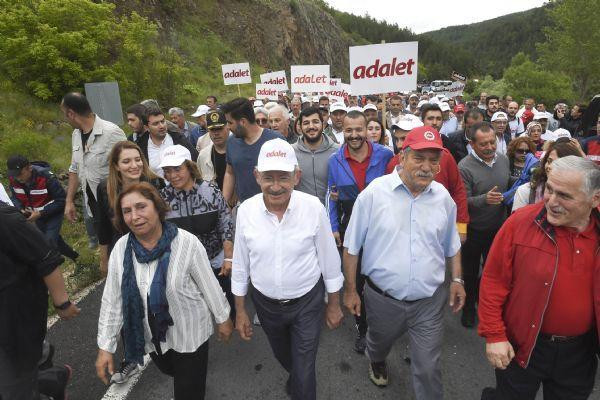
point(458, 77)
point(382, 68)
point(337, 93)
point(455, 89)
point(235, 74)
point(267, 92)
point(310, 78)
point(276, 78)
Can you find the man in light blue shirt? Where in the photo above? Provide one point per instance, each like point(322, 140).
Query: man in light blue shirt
point(404, 259)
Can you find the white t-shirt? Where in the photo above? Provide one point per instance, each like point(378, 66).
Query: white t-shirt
point(154, 154)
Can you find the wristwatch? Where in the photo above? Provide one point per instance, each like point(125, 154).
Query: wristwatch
point(458, 280)
point(63, 306)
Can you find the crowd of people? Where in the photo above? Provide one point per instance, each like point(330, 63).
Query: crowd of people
point(391, 206)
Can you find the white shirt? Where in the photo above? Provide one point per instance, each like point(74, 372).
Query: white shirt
point(516, 127)
point(500, 145)
point(193, 294)
point(4, 196)
point(284, 259)
point(339, 136)
point(154, 152)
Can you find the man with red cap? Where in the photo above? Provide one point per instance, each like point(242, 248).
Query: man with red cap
point(405, 271)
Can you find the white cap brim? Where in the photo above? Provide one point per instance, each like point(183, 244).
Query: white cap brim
point(171, 162)
point(275, 166)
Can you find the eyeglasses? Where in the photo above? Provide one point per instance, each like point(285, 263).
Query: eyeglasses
point(521, 151)
point(261, 120)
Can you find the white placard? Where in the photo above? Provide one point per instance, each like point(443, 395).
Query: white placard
point(309, 78)
point(456, 89)
point(383, 68)
point(276, 78)
point(235, 74)
point(337, 93)
point(267, 92)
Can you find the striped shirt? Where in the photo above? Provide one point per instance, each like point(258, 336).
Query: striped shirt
point(192, 290)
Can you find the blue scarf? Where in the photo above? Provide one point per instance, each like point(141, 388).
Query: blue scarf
point(133, 306)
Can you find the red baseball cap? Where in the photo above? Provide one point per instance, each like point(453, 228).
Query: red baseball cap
point(459, 108)
point(423, 137)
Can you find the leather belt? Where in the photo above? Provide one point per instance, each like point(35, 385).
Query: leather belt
point(561, 339)
point(381, 292)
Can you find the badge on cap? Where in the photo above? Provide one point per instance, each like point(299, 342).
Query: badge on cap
point(214, 117)
point(429, 135)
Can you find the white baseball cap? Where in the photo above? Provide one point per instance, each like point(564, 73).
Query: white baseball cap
point(407, 124)
point(542, 115)
point(276, 155)
point(337, 107)
point(258, 103)
point(557, 134)
point(315, 99)
point(444, 107)
point(499, 115)
point(422, 103)
point(355, 108)
point(370, 106)
point(174, 156)
point(201, 110)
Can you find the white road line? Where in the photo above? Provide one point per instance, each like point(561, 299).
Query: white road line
point(76, 299)
point(121, 390)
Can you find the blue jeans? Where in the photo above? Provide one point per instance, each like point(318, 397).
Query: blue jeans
point(50, 227)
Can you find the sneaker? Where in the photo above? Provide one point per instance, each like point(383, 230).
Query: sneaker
point(127, 371)
point(378, 373)
point(256, 321)
point(360, 343)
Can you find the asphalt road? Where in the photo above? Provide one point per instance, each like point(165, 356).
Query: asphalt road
point(248, 370)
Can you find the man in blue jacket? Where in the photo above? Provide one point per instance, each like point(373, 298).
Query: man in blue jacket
point(356, 164)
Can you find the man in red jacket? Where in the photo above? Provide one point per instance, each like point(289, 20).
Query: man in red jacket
point(539, 303)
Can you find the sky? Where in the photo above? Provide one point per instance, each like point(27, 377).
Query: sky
point(430, 15)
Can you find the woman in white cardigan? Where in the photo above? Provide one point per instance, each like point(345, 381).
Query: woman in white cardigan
point(161, 290)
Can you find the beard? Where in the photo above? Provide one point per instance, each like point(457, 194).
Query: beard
point(240, 132)
point(311, 139)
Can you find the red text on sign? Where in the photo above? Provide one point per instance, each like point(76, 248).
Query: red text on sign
point(380, 71)
point(237, 74)
point(310, 79)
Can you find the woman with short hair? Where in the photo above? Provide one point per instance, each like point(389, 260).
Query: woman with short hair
point(160, 290)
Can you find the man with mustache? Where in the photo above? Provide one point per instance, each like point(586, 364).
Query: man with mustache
point(404, 257)
point(486, 176)
point(242, 150)
point(285, 251)
point(312, 151)
point(539, 299)
point(356, 164)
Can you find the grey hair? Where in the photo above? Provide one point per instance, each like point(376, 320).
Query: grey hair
point(279, 108)
point(588, 169)
point(261, 110)
point(176, 110)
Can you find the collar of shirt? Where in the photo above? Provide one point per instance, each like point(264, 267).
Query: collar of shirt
point(290, 207)
point(397, 182)
point(483, 162)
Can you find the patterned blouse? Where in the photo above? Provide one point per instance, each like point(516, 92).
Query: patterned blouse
point(203, 212)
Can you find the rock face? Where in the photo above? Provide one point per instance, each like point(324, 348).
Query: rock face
point(272, 33)
point(284, 33)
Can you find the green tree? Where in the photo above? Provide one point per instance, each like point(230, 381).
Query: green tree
point(573, 43)
point(52, 46)
point(527, 79)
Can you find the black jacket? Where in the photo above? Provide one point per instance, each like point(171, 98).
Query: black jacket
point(177, 137)
point(25, 259)
point(457, 145)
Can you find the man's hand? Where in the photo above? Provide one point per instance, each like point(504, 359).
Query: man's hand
point(35, 215)
point(69, 313)
point(499, 354)
point(104, 361)
point(352, 301)
point(492, 197)
point(225, 330)
point(225, 269)
point(338, 239)
point(560, 113)
point(70, 212)
point(243, 325)
point(457, 296)
point(334, 316)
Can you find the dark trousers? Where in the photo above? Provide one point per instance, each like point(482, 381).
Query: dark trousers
point(476, 246)
point(50, 227)
point(566, 370)
point(187, 369)
point(293, 333)
point(225, 282)
point(361, 321)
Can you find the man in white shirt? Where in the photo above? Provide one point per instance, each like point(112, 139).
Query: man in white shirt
point(284, 246)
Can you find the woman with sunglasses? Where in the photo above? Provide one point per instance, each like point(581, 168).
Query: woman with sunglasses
point(516, 153)
point(262, 117)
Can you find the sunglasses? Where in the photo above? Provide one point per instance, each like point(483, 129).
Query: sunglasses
point(521, 151)
point(261, 120)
